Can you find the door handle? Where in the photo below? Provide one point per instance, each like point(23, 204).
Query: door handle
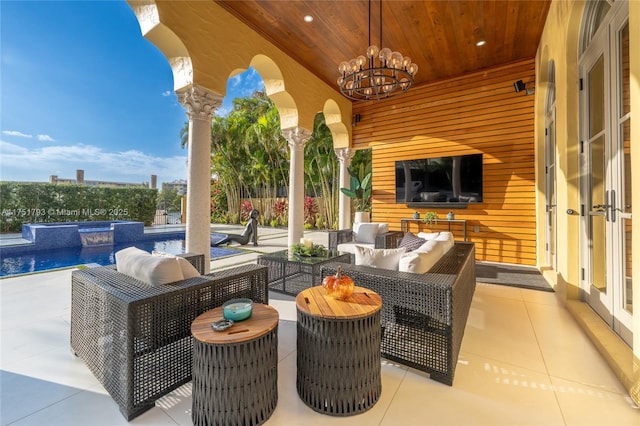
point(613, 205)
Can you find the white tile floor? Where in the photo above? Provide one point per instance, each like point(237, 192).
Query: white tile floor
point(523, 361)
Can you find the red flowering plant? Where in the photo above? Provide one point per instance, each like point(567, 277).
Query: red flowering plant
point(310, 211)
point(218, 204)
point(279, 213)
point(245, 210)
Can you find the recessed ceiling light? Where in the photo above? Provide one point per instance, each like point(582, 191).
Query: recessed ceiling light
point(308, 18)
point(481, 43)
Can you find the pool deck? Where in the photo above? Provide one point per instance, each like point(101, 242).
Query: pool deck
point(514, 366)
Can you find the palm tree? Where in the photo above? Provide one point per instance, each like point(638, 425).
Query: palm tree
point(321, 170)
point(250, 159)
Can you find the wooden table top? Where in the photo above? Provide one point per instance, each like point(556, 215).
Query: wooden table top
point(315, 301)
point(264, 318)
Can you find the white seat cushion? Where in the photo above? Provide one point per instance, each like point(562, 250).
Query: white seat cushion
point(351, 247)
point(378, 258)
point(153, 270)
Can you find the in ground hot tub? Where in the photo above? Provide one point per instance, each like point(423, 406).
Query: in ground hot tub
point(78, 234)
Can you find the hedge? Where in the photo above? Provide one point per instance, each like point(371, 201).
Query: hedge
point(47, 203)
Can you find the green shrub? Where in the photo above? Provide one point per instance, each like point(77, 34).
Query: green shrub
point(22, 203)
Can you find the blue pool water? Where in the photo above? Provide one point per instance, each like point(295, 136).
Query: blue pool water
point(44, 260)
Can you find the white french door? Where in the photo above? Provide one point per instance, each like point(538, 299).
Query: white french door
point(605, 177)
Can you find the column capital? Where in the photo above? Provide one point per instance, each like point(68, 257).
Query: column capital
point(297, 137)
point(344, 155)
point(199, 102)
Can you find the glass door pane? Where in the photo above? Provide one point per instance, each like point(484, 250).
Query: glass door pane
point(624, 207)
point(596, 98)
point(598, 215)
point(597, 176)
point(551, 194)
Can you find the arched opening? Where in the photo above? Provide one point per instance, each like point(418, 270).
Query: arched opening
point(195, 78)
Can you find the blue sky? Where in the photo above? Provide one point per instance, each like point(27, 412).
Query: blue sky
point(80, 88)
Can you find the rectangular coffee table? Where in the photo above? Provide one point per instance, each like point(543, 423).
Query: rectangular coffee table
point(290, 273)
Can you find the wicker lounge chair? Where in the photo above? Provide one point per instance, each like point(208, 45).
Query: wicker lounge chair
point(136, 339)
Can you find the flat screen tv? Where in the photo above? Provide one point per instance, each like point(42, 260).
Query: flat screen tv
point(453, 181)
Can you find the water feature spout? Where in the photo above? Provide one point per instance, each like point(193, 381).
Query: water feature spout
point(92, 237)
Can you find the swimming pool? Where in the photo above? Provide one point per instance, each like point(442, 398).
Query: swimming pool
point(21, 260)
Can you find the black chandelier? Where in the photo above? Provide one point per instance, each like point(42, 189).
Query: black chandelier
point(382, 74)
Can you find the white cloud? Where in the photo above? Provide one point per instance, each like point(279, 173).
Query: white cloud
point(166, 93)
point(45, 138)
point(23, 164)
point(16, 133)
point(7, 148)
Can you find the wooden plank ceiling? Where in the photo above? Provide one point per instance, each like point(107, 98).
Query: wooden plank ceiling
point(440, 36)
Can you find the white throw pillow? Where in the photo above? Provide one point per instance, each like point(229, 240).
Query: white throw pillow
point(153, 270)
point(378, 258)
point(366, 233)
point(428, 246)
point(447, 241)
point(442, 247)
point(421, 259)
point(383, 228)
point(188, 270)
point(428, 235)
point(126, 258)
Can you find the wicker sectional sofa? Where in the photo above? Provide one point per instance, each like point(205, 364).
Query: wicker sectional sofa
point(136, 339)
point(423, 315)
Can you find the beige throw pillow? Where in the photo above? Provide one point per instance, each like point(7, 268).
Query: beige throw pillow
point(428, 235)
point(421, 259)
point(153, 270)
point(188, 270)
point(447, 240)
point(378, 258)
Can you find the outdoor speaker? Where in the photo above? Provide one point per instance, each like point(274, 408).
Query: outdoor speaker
point(519, 85)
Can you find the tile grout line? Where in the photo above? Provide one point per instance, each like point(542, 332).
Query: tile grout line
point(544, 361)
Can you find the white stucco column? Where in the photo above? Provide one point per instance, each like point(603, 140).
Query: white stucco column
point(344, 203)
point(200, 104)
point(297, 138)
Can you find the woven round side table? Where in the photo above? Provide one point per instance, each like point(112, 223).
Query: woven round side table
point(338, 351)
point(235, 371)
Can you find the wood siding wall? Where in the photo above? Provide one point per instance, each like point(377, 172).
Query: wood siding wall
point(475, 113)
